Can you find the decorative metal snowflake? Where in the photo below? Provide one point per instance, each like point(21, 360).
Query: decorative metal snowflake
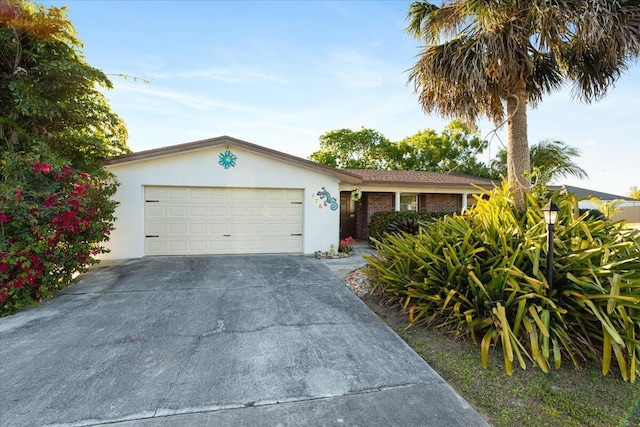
point(227, 159)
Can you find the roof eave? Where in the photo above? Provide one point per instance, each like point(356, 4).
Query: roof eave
point(227, 140)
point(487, 186)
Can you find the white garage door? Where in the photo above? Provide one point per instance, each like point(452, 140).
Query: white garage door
point(189, 220)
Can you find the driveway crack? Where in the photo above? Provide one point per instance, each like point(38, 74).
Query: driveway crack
point(220, 327)
point(179, 373)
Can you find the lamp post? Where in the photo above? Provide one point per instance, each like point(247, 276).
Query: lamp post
point(550, 211)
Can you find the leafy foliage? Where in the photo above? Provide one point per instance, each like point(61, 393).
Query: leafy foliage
point(493, 58)
point(51, 224)
point(593, 213)
point(608, 208)
point(550, 160)
point(453, 150)
point(55, 126)
point(394, 221)
point(479, 275)
point(345, 148)
point(49, 98)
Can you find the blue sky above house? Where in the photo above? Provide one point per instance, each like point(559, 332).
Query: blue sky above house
point(282, 73)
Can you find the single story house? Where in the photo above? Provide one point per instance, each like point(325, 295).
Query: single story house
point(225, 196)
point(585, 195)
point(626, 208)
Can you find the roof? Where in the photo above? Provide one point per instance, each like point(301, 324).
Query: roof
point(420, 178)
point(341, 174)
point(349, 176)
point(582, 193)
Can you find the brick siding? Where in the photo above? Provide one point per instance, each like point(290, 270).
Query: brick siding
point(370, 204)
point(377, 202)
point(436, 202)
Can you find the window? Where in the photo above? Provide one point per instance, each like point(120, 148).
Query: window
point(408, 202)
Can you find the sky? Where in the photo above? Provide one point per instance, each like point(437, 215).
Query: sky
point(281, 73)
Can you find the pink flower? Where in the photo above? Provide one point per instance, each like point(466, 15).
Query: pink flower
point(78, 189)
point(50, 201)
point(41, 168)
point(4, 218)
point(18, 195)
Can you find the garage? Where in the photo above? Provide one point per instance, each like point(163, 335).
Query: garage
point(196, 220)
point(223, 196)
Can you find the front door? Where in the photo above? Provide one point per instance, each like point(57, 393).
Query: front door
point(347, 215)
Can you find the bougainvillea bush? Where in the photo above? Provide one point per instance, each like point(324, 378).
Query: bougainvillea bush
point(53, 220)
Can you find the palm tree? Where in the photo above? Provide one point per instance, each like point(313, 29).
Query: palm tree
point(549, 161)
point(482, 55)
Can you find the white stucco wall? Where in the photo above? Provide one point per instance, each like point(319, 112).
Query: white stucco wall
point(200, 168)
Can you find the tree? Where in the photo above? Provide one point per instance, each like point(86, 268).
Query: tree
point(454, 150)
point(608, 208)
point(345, 148)
point(482, 56)
point(634, 192)
point(49, 101)
point(550, 160)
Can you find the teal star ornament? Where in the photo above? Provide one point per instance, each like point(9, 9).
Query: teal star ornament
point(227, 159)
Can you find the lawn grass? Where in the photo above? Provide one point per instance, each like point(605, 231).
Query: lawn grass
point(565, 397)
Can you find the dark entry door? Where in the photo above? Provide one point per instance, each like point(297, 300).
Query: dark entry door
point(347, 215)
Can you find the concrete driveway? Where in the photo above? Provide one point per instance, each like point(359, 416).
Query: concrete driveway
point(215, 340)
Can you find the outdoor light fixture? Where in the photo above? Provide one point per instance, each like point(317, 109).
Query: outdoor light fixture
point(550, 211)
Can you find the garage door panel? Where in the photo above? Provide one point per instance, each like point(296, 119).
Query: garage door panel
point(179, 229)
point(293, 228)
point(255, 212)
point(240, 195)
point(176, 246)
point(155, 192)
point(156, 229)
point(178, 194)
point(217, 246)
point(177, 211)
point(195, 211)
point(156, 248)
point(155, 211)
point(222, 220)
point(237, 211)
point(197, 245)
point(198, 228)
point(199, 194)
point(218, 228)
point(218, 211)
point(256, 195)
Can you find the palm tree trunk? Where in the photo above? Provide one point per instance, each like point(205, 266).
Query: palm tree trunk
point(518, 160)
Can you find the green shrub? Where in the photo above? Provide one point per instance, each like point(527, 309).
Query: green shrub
point(393, 221)
point(594, 213)
point(481, 275)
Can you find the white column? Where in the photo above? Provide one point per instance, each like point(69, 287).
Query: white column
point(464, 201)
point(397, 201)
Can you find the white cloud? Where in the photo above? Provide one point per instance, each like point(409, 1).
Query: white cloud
point(226, 75)
point(191, 100)
point(356, 71)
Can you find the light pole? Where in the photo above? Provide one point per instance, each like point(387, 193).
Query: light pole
point(550, 211)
